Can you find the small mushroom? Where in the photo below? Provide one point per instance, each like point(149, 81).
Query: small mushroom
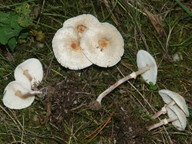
point(67, 49)
point(17, 96)
point(176, 116)
point(29, 72)
point(81, 23)
point(144, 60)
point(103, 45)
point(148, 66)
point(171, 98)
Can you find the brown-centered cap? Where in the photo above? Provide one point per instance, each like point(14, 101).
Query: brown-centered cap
point(67, 49)
point(81, 23)
point(103, 45)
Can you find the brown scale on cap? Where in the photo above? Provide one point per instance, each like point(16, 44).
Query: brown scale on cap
point(81, 28)
point(26, 73)
point(75, 45)
point(103, 43)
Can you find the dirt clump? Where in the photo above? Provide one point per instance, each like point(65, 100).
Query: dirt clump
point(62, 100)
point(129, 128)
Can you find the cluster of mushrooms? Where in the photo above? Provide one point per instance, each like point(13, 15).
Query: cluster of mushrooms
point(175, 106)
point(81, 42)
point(21, 92)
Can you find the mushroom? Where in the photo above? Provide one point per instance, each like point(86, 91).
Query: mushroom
point(81, 23)
point(144, 60)
point(171, 98)
point(29, 72)
point(148, 66)
point(103, 45)
point(176, 116)
point(17, 96)
point(67, 50)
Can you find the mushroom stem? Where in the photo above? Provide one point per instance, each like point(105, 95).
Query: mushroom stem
point(119, 82)
point(162, 122)
point(31, 93)
point(163, 110)
point(35, 92)
point(143, 70)
point(26, 95)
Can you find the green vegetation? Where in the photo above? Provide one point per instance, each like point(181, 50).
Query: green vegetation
point(13, 25)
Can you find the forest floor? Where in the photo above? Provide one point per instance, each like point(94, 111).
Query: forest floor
point(62, 114)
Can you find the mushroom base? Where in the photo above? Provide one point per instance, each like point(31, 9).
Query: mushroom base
point(95, 105)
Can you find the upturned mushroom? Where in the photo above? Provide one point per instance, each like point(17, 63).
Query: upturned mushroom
point(29, 72)
point(81, 23)
point(176, 116)
point(146, 62)
point(17, 96)
point(67, 49)
point(103, 45)
point(148, 66)
point(171, 98)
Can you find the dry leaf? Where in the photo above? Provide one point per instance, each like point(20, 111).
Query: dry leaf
point(156, 22)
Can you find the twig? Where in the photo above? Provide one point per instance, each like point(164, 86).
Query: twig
point(57, 139)
point(138, 93)
point(49, 68)
point(18, 124)
point(81, 105)
point(99, 129)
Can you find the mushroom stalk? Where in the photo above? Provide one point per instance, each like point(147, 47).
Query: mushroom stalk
point(31, 93)
point(35, 92)
point(26, 95)
point(119, 82)
point(162, 122)
point(163, 110)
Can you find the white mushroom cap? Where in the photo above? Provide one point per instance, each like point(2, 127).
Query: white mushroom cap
point(145, 59)
point(174, 112)
point(12, 96)
point(81, 23)
point(169, 96)
point(67, 49)
point(103, 45)
point(29, 72)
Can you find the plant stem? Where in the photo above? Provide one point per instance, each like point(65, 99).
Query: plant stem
point(184, 7)
point(119, 82)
